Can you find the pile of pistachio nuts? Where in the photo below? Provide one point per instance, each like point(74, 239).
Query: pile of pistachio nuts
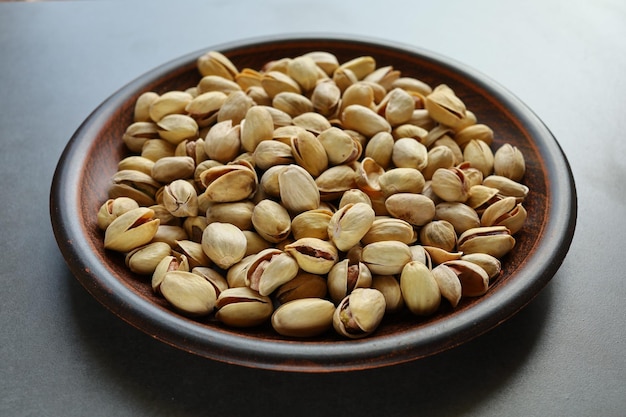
point(312, 194)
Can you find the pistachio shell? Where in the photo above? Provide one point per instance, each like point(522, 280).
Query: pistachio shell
point(389, 286)
point(306, 317)
point(448, 283)
point(386, 257)
point(349, 224)
point(474, 280)
point(495, 241)
point(297, 189)
point(271, 221)
point(189, 293)
point(131, 230)
point(243, 307)
point(144, 260)
point(313, 255)
point(415, 209)
point(364, 120)
point(360, 313)
point(304, 285)
point(224, 243)
point(269, 269)
point(419, 289)
point(345, 276)
point(509, 162)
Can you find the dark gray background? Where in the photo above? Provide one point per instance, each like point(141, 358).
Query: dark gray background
point(62, 354)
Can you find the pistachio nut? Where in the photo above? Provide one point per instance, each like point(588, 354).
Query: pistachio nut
point(420, 291)
point(144, 259)
point(412, 84)
point(345, 276)
point(326, 97)
point(444, 106)
point(271, 221)
point(397, 106)
point(509, 162)
point(138, 133)
point(474, 279)
point(333, 182)
point(169, 234)
point(420, 254)
point(223, 141)
point(364, 120)
point(305, 317)
point(308, 152)
point(507, 187)
point(325, 60)
point(243, 307)
point(410, 131)
point(409, 153)
point(450, 184)
point(216, 63)
point(438, 255)
point(175, 128)
point(401, 180)
point(475, 131)
point(461, 216)
point(354, 196)
point(224, 243)
point(131, 230)
point(134, 184)
point(389, 286)
point(155, 149)
point(275, 82)
point(386, 257)
point(349, 224)
point(313, 255)
point(339, 146)
point(479, 155)
point(213, 276)
point(494, 240)
point(255, 243)
point(304, 285)
point(113, 208)
point(180, 198)
point(438, 157)
point(311, 223)
point(438, 233)
point(228, 183)
point(311, 121)
point(481, 197)
point(388, 228)
point(136, 163)
point(506, 212)
point(359, 314)
point(193, 251)
point(236, 274)
point(171, 168)
point(167, 264)
point(188, 293)
point(171, 102)
point(297, 189)
point(141, 111)
point(380, 148)
point(269, 153)
point(490, 264)
point(293, 104)
point(448, 283)
point(415, 209)
point(269, 269)
point(238, 213)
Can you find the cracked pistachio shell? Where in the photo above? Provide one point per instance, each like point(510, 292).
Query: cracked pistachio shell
point(255, 243)
point(216, 63)
point(131, 230)
point(313, 255)
point(269, 269)
point(444, 106)
point(171, 102)
point(415, 209)
point(419, 289)
point(222, 142)
point(420, 254)
point(141, 111)
point(494, 240)
point(389, 286)
point(135, 185)
point(339, 146)
point(360, 313)
point(344, 78)
point(269, 153)
point(367, 174)
point(490, 264)
point(137, 163)
point(474, 279)
point(345, 276)
point(228, 183)
point(269, 181)
point(271, 220)
point(358, 93)
point(172, 168)
point(211, 83)
point(305, 317)
point(387, 228)
point(354, 196)
point(506, 212)
point(213, 276)
point(297, 189)
point(380, 148)
point(349, 224)
point(311, 223)
point(224, 243)
point(450, 185)
point(311, 121)
point(364, 120)
point(189, 293)
point(325, 60)
point(181, 199)
point(481, 197)
point(461, 216)
point(167, 264)
point(236, 274)
point(113, 208)
point(361, 66)
point(304, 285)
point(448, 283)
point(509, 162)
point(412, 84)
point(175, 128)
point(155, 149)
point(479, 155)
point(410, 131)
point(440, 234)
point(257, 127)
point(448, 142)
point(386, 257)
point(439, 256)
point(144, 260)
point(326, 97)
point(309, 152)
point(138, 133)
point(243, 307)
point(304, 71)
point(409, 153)
point(401, 180)
point(169, 234)
point(385, 76)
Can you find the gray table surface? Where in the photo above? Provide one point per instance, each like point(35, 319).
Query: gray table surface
point(63, 354)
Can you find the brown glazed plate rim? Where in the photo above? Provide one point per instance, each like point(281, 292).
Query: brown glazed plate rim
point(548, 241)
